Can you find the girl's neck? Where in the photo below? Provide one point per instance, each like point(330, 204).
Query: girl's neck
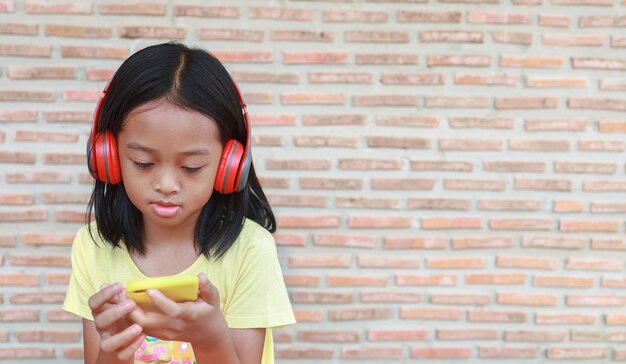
point(163, 237)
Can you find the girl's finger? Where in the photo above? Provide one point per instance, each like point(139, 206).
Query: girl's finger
point(106, 294)
point(129, 351)
point(163, 303)
point(121, 341)
point(106, 318)
point(208, 292)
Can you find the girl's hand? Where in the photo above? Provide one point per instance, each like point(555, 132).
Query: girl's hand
point(200, 323)
point(109, 307)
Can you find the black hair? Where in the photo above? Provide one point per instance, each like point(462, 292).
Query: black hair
point(194, 80)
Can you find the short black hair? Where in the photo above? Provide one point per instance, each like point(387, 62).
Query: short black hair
point(195, 80)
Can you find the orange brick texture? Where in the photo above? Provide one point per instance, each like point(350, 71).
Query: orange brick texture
point(448, 175)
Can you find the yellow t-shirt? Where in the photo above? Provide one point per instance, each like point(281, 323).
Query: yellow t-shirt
point(248, 277)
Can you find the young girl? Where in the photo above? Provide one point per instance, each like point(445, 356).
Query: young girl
point(176, 193)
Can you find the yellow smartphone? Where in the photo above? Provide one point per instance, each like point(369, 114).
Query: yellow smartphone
point(178, 288)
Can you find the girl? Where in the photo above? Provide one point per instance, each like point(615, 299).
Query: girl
point(176, 193)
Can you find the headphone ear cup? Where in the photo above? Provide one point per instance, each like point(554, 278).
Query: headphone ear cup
point(229, 166)
point(103, 161)
point(114, 172)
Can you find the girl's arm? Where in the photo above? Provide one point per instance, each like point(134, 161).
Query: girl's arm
point(110, 338)
point(237, 346)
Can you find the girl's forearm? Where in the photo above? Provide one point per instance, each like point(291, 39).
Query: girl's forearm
point(218, 349)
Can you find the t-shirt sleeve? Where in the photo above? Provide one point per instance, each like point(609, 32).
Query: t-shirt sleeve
point(79, 288)
point(260, 298)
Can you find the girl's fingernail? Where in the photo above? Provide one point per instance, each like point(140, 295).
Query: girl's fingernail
point(128, 305)
point(135, 329)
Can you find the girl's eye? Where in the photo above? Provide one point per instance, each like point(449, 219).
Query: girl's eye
point(142, 165)
point(192, 169)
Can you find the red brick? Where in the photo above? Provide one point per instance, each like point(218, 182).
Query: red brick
point(555, 242)
point(62, 316)
point(37, 297)
point(451, 36)
point(514, 166)
point(333, 119)
point(159, 32)
point(470, 145)
point(42, 260)
point(538, 223)
point(146, 8)
point(305, 353)
point(67, 116)
point(247, 35)
point(415, 242)
point(521, 38)
point(461, 102)
point(608, 207)
point(298, 164)
point(597, 103)
point(407, 16)
point(16, 198)
point(360, 164)
point(49, 238)
point(19, 315)
point(387, 261)
point(321, 297)
point(495, 278)
point(526, 299)
point(509, 205)
point(77, 31)
point(313, 98)
point(45, 136)
point(598, 63)
point(563, 281)
point(610, 226)
point(566, 318)
point(604, 186)
point(320, 261)
point(431, 313)
point(444, 60)
point(439, 223)
point(38, 177)
point(372, 352)
point(69, 7)
point(386, 59)
point(281, 13)
point(466, 334)
point(568, 206)
point(26, 95)
point(455, 263)
point(58, 278)
point(533, 61)
point(302, 36)
point(497, 17)
point(398, 142)
point(340, 77)
point(441, 353)
point(501, 79)
point(402, 184)
point(7, 241)
point(331, 183)
point(356, 280)
point(493, 242)
point(389, 296)
point(397, 335)
point(385, 100)
point(41, 72)
point(313, 221)
point(507, 352)
point(608, 244)
point(301, 280)
point(474, 184)
point(355, 16)
point(357, 313)
point(18, 115)
point(426, 279)
point(357, 241)
point(598, 336)
point(308, 315)
point(207, 11)
point(298, 200)
point(439, 204)
point(327, 336)
point(331, 57)
point(535, 335)
point(460, 299)
point(73, 352)
point(554, 20)
point(448, 166)
point(377, 36)
point(106, 52)
point(19, 279)
point(22, 352)
point(576, 352)
point(595, 300)
point(316, 141)
point(408, 121)
point(23, 215)
point(379, 222)
point(7, 6)
point(497, 316)
point(595, 264)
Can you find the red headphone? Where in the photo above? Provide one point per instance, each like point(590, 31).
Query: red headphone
point(232, 172)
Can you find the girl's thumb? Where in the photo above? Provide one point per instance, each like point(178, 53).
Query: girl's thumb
point(208, 292)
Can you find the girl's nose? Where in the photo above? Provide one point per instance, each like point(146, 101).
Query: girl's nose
point(167, 183)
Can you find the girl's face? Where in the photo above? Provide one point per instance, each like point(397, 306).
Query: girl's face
point(168, 158)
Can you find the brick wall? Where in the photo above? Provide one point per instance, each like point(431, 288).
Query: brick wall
point(448, 175)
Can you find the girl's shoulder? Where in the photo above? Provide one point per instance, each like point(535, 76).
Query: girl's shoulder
point(252, 238)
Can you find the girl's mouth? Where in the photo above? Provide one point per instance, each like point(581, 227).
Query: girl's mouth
point(165, 209)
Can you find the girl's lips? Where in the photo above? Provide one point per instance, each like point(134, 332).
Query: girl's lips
point(165, 210)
